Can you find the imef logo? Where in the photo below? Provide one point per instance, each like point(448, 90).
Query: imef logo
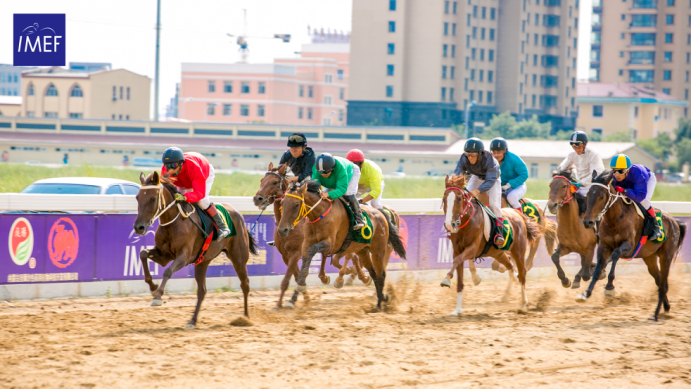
point(39, 40)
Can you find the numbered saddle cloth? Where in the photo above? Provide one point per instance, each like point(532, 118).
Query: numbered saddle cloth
point(530, 210)
point(491, 228)
point(211, 229)
point(364, 235)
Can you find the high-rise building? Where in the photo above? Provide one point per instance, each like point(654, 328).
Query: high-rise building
point(11, 79)
point(645, 42)
point(422, 62)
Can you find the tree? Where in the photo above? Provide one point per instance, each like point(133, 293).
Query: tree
point(620, 136)
point(532, 129)
point(503, 125)
point(683, 130)
point(660, 147)
point(683, 149)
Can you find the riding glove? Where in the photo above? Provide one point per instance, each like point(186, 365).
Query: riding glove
point(179, 197)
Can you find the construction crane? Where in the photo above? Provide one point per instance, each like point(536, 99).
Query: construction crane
point(242, 40)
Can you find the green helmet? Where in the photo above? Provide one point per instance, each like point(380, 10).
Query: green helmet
point(473, 145)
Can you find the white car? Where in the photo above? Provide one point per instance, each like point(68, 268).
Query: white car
point(83, 185)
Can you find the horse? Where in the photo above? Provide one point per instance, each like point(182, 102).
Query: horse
point(619, 233)
point(572, 236)
point(327, 228)
point(465, 222)
point(178, 240)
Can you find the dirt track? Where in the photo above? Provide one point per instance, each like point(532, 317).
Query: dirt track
point(334, 342)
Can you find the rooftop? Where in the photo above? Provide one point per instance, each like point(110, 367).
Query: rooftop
point(11, 100)
point(621, 92)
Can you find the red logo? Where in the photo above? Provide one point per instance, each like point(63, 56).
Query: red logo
point(63, 242)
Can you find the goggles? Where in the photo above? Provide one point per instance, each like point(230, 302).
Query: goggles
point(577, 144)
point(296, 138)
point(474, 155)
point(173, 165)
point(325, 171)
point(620, 171)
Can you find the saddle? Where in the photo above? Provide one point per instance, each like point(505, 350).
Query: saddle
point(364, 235)
point(210, 230)
point(491, 228)
point(528, 208)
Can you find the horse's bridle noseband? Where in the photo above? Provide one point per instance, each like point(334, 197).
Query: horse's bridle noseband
point(278, 188)
point(162, 207)
point(467, 197)
point(613, 197)
point(566, 199)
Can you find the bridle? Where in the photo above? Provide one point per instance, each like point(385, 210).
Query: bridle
point(566, 199)
point(304, 212)
point(467, 201)
point(162, 207)
point(278, 188)
point(612, 198)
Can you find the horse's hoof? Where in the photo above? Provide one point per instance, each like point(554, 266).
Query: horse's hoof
point(457, 312)
point(501, 268)
point(367, 281)
point(349, 281)
point(289, 305)
point(301, 288)
point(189, 325)
point(576, 284)
point(339, 284)
point(522, 309)
point(581, 298)
point(609, 293)
point(566, 283)
point(153, 292)
point(476, 279)
point(602, 276)
point(156, 302)
point(446, 283)
point(327, 278)
point(654, 318)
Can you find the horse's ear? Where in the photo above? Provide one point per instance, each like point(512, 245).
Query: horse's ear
point(303, 187)
point(594, 175)
point(156, 179)
point(270, 167)
point(142, 178)
point(282, 169)
point(447, 180)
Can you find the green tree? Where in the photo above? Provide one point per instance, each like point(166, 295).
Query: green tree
point(620, 136)
point(532, 129)
point(683, 130)
point(660, 147)
point(503, 125)
point(682, 150)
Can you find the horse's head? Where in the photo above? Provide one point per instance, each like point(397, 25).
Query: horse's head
point(292, 205)
point(559, 189)
point(598, 197)
point(270, 186)
point(152, 192)
point(453, 202)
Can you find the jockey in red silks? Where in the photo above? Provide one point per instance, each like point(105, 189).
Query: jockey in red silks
point(194, 176)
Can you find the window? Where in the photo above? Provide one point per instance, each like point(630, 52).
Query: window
point(598, 131)
point(671, 3)
point(468, 40)
point(473, 74)
point(210, 108)
point(310, 89)
point(491, 55)
point(454, 47)
point(489, 97)
point(642, 57)
point(643, 39)
point(51, 91)
point(536, 19)
point(535, 60)
point(392, 5)
point(549, 101)
point(390, 91)
point(549, 60)
point(466, 84)
point(574, 45)
point(76, 91)
point(483, 13)
point(533, 80)
point(244, 87)
point(473, 32)
point(300, 91)
point(687, 75)
point(468, 19)
point(596, 38)
point(300, 112)
point(482, 54)
point(595, 56)
point(551, 20)
point(446, 7)
point(244, 110)
point(128, 93)
point(261, 88)
point(491, 34)
point(595, 20)
point(641, 76)
point(31, 114)
point(444, 50)
point(446, 28)
point(211, 86)
point(647, 20)
point(623, 17)
point(341, 93)
point(482, 33)
point(113, 190)
point(392, 26)
point(475, 11)
point(390, 70)
point(467, 62)
point(451, 94)
point(687, 94)
point(645, 3)
point(669, 38)
point(666, 91)
point(75, 115)
point(533, 100)
point(480, 96)
point(669, 19)
point(121, 93)
point(550, 40)
point(454, 29)
point(668, 56)
point(492, 13)
point(620, 72)
point(327, 100)
point(31, 90)
point(597, 111)
point(227, 109)
point(667, 75)
point(309, 113)
point(594, 74)
point(534, 170)
point(490, 76)
point(473, 54)
point(328, 78)
point(443, 94)
point(454, 8)
point(549, 81)
point(444, 72)
point(260, 110)
point(451, 72)
point(471, 95)
point(523, 26)
point(341, 115)
point(480, 75)
point(390, 48)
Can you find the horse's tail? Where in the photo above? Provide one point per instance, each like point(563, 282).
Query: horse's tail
point(534, 231)
point(683, 231)
point(394, 238)
point(252, 243)
point(550, 235)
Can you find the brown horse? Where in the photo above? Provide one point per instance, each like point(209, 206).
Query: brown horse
point(178, 240)
point(620, 232)
point(572, 236)
point(464, 220)
point(327, 228)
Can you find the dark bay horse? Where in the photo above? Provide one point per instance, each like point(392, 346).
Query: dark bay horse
point(326, 229)
point(572, 236)
point(465, 221)
point(619, 233)
point(178, 240)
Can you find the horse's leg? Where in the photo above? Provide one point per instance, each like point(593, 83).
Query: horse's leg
point(144, 255)
point(239, 261)
point(323, 275)
point(561, 273)
point(201, 278)
point(339, 281)
point(510, 274)
point(292, 270)
point(520, 266)
point(458, 259)
point(460, 289)
point(358, 270)
point(652, 266)
point(610, 288)
point(321, 247)
point(474, 273)
point(602, 254)
point(665, 260)
point(177, 264)
point(379, 275)
point(498, 267)
point(532, 253)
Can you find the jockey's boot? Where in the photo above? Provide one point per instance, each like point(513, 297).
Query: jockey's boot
point(355, 207)
point(657, 233)
point(499, 240)
point(223, 228)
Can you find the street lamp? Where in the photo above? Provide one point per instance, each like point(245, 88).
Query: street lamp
point(466, 118)
point(206, 112)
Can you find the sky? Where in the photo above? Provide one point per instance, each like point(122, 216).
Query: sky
point(123, 32)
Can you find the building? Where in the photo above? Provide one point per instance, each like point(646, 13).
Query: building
point(10, 105)
point(410, 150)
point(421, 62)
point(646, 42)
point(89, 67)
point(11, 79)
point(309, 90)
point(172, 107)
point(610, 108)
point(106, 94)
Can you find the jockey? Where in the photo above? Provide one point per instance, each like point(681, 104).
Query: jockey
point(340, 177)
point(370, 178)
point(298, 157)
point(584, 159)
point(194, 176)
point(636, 182)
point(484, 171)
point(513, 172)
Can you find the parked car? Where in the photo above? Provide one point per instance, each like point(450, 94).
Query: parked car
point(83, 185)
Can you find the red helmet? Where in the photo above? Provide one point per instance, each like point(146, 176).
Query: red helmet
point(355, 155)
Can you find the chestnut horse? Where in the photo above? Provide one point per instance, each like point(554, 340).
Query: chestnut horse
point(326, 229)
point(465, 222)
point(572, 236)
point(619, 233)
point(178, 240)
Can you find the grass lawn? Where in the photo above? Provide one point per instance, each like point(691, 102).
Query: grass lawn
point(15, 177)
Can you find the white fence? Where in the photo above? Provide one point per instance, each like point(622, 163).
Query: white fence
point(121, 203)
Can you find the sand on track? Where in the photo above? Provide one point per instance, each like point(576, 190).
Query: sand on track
point(335, 341)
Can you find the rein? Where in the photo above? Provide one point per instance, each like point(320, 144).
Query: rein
point(162, 207)
point(569, 190)
point(304, 212)
point(467, 198)
point(613, 197)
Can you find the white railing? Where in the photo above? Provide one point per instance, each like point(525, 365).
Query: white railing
point(121, 203)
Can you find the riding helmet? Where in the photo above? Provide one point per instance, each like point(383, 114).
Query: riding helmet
point(473, 145)
point(620, 161)
point(172, 154)
point(355, 155)
point(578, 138)
point(325, 162)
point(498, 144)
point(297, 139)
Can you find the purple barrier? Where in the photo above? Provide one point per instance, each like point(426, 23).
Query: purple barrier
point(86, 247)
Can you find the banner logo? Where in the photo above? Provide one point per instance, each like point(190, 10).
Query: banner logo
point(21, 241)
point(39, 40)
point(63, 242)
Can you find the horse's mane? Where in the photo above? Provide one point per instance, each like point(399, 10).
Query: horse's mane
point(605, 176)
point(165, 181)
point(312, 186)
point(455, 181)
point(568, 173)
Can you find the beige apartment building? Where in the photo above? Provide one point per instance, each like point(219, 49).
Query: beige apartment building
point(107, 94)
point(646, 42)
point(421, 62)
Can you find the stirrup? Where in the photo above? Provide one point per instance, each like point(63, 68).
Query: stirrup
point(499, 240)
point(222, 234)
point(358, 226)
